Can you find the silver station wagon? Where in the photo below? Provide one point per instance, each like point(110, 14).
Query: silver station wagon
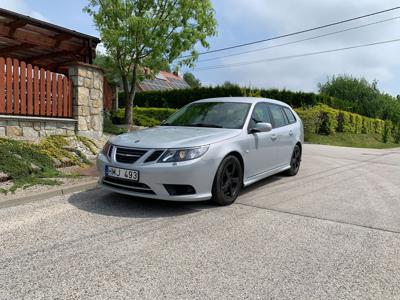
point(209, 149)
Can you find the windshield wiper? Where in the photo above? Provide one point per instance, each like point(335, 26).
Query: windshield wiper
point(204, 125)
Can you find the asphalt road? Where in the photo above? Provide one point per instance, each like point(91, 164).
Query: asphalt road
point(332, 232)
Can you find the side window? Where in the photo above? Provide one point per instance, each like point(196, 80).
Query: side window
point(289, 115)
point(260, 114)
point(277, 115)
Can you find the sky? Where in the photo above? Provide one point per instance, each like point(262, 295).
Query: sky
point(245, 21)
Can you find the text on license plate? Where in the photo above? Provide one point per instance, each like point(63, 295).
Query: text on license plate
point(122, 173)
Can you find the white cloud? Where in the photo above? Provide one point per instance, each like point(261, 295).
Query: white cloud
point(243, 21)
point(21, 7)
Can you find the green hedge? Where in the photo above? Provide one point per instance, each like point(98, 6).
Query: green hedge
point(144, 116)
point(322, 119)
point(179, 98)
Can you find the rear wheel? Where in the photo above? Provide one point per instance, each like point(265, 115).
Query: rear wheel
point(295, 161)
point(228, 181)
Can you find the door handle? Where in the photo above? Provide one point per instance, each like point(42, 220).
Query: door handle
point(291, 132)
point(274, 137)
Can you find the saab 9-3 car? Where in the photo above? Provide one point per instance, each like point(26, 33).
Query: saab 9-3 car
point(209, 149)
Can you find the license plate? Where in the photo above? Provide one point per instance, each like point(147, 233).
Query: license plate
point(122, 173)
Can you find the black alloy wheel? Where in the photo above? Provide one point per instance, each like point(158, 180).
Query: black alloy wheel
point(228, 181)
point(295, 161)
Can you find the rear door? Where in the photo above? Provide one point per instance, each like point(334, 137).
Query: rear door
point(283, 133)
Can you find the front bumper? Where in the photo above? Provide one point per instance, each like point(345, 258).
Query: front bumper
point(198, 173)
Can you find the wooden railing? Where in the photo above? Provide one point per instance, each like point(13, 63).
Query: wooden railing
point(32, 91)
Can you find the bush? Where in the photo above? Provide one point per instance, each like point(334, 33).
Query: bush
point(396, 134)
point(389, 109)
point(142, 116)
point(28, 164)
point(145, 121)
point(179, 98)
point(159, 114)
point(387, 131)
point(311, 121)
point(109, 127)
point(322, 119)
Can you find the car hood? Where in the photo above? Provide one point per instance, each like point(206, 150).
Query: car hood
point(173, 137)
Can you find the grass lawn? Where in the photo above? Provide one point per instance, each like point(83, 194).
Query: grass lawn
point(351, 140)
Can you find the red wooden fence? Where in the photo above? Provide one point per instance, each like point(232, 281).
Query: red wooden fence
point(107, 95)
point(33, 91)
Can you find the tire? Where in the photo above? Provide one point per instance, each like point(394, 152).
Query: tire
point(295, 161)
point(228, 181)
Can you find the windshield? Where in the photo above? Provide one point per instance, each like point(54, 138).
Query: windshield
point(230, 115)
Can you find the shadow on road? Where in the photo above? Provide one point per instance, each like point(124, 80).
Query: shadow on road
point(99, 201)
point(261, 184)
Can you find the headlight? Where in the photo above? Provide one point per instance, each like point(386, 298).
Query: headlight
point(106, 149)
point(176, 155)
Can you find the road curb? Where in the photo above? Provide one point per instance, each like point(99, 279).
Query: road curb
point(80, 187)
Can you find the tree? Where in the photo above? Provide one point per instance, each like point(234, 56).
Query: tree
point(229, 85)
point(365, 96)
point(110, 69)
point(191, 80)
point(141, 35)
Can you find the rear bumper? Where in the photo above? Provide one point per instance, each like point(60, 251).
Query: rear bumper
point(198, 173)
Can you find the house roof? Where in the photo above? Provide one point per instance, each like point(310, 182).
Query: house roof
point(42, 43)
point(163, 81)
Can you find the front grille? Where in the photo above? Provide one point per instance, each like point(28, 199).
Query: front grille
point(127, 155)
point(128, 185)
point(110, 151)
point(154, 156)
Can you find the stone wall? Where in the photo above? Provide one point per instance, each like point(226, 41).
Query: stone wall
point(88, 99)
point(34, 127)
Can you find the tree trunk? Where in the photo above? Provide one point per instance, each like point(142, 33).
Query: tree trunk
point(129, 110)
point(129, 96)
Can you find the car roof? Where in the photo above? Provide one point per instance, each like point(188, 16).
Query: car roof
point(250, 100)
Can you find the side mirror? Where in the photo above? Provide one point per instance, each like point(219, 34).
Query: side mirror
point(261, 127)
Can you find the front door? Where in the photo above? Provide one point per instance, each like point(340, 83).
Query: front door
point(261, 146)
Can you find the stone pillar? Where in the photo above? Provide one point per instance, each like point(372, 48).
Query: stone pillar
point(88, 99)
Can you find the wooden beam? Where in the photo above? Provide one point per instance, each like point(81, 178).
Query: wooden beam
point(14, 25)
point(60, 38)
point(9, 49)
point(36, 39)
point(59, 67)
point(50, 55)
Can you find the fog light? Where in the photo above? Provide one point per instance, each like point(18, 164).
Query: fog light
point(179, 189)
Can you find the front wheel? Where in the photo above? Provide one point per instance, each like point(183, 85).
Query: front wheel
point(294, 161)
point(228, 181)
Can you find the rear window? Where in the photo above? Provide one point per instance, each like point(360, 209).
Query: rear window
point(289, 115)
point(277, 115)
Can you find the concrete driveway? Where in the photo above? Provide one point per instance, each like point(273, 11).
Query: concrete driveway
point(332, 232)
